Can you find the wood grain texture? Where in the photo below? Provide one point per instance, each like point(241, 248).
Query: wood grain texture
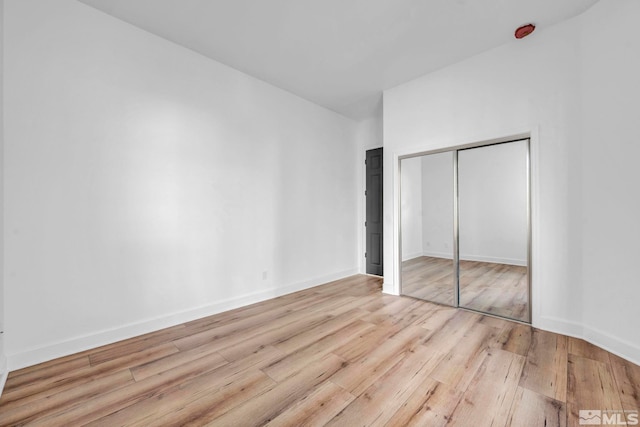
point(339, 354)
point(532, 409)
point(430, 405)
point(498, 289)
point(545, 370)
point(627, 376)
point(494, 386)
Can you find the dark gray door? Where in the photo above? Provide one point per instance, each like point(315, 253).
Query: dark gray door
point(374, 212)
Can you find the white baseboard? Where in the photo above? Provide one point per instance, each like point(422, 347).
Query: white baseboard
point(4, 372)
point(597, 337)
point(618, 346)
point(407, 257)
point(438, 255)
point(495, 260)
point(389, 289)
point(480, 258)
point(99, 338)
point(560, 326)
point(615, 345)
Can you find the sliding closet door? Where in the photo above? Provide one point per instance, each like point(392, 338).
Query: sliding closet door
point(427, 227)
point(493, 229)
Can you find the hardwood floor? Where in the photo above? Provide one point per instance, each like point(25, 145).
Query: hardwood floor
point(340, 354)
point(498, 289)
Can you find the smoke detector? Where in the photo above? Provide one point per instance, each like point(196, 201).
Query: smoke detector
point(524, 31)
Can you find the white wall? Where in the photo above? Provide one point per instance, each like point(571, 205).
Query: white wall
point(147, 185)
point(411, 208)
point(485, 97)
point(369, 136)
point(370, 130)
point(610, 81)
point(3, 360)
point(437, 205)
point(571, 86)
point(492, 200)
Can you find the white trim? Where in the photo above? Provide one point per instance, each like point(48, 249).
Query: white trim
point(534, 212)
point(408, 257)
point(480, 258)
point(438, 255)
point(560, 326)
point(388, 290)
point(52, 351)
point(4, 372)
point(494, 260)
point(618, 346)
point(393, 288)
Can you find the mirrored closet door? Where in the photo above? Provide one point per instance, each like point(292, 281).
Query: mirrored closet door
point(465, 228)
point(427, 228)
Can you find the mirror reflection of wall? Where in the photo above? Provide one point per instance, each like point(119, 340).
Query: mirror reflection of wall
point(493, 229)
point(411, 208)
point(491, 275)
point(427, 227)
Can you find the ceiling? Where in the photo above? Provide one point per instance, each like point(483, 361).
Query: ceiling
point(340, 54)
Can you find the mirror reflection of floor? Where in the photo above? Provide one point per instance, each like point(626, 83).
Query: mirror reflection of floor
point(499, 289)
point(428, 278)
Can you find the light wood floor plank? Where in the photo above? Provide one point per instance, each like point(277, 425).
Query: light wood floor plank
point(545, 371)
point(260, 335)
point(43, 374)
point(530, 409)
point(315, 409)
point(435, 318)
point(377, 404)
point(172, 360)
point(296, 341)
point(591, 385)
point(488, 399)
point(254, 325)
point(134, 345)
point(342, 354)
point(298, 360)
point(267, 406)
point(83, 378)
point(363, 343)
point(201, 398)
point(116, 399)
point(515, 337)
point(627, 376)
point(582, 348)
point(37, 411)
point(358, 375)
point(194, 403)
point(469, 353)
point(294, 331)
